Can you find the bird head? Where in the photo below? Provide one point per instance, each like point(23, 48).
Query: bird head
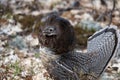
point(57, 34)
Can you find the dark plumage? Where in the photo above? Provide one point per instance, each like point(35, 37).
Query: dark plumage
point(62, 62)
point(57, 34)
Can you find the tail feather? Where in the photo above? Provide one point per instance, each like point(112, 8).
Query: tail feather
point(102, 46)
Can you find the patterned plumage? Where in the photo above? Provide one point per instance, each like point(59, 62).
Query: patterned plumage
point(72, 65)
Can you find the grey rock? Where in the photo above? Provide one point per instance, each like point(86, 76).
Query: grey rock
point(18, 42)
point(90, 25)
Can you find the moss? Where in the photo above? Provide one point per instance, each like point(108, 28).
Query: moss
point(118, 74)
point(82, 35)
point(16, 67)
point(29, 23)
point(5, 10)
point(25, 20)
point(37, 55)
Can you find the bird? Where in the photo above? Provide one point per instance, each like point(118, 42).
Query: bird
point(57, 47)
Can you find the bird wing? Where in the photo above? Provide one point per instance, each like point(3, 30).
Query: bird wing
point(101, 47)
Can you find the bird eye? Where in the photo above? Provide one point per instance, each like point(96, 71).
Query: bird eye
point(51, 29)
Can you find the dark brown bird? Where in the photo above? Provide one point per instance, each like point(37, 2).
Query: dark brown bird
point(57, 39)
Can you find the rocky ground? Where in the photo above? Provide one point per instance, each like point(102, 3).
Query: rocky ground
point(19, 23)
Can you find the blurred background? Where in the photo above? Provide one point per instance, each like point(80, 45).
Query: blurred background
point(19, 26)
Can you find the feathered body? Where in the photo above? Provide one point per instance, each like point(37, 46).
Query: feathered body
point(62, 62)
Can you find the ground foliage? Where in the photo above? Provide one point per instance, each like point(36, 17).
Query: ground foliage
point(19, 26)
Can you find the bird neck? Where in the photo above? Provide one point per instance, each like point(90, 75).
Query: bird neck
point(47, 56)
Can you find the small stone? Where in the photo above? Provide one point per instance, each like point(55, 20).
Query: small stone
point(18, 42)
point(75, 4)
point(115, 68)
point(32, 41)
